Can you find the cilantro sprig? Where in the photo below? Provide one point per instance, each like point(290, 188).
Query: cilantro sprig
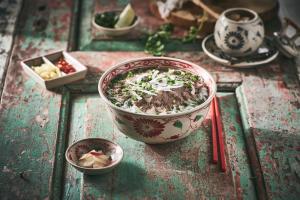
point(191, 36)
point(155, 44)
point(107, 19)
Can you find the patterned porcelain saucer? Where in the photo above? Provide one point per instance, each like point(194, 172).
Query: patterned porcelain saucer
point(266, 53)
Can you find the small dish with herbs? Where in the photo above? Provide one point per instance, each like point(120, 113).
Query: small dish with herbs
point(116, 22)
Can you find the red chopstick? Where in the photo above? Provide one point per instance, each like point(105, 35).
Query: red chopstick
point(220, 135)
point(214, 134)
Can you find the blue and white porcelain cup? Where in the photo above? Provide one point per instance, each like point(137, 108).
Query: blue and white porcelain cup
point(239, 32)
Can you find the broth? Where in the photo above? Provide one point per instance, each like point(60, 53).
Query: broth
point(157, 91)
point(240, 15)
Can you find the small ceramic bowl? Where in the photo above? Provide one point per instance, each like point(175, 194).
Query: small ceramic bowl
point(239, 32)
point(115, 31)
point(76, 150)
point(151, 128)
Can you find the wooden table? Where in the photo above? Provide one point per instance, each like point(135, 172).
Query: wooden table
point(260, 109)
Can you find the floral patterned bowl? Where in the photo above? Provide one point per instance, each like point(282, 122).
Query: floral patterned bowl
point(76, 150)
point(151, 128)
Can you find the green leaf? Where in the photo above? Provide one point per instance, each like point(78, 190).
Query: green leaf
point(191, 36)
point(167, 27)
point(197, 118)
point(155, 43)
point(178, 124)
point(107, 19)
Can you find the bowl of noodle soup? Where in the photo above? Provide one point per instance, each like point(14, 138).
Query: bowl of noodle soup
point(157, 99)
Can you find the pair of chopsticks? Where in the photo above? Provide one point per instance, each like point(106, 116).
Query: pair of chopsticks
point(217, 135)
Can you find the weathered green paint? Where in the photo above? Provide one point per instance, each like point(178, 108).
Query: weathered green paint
point(74, 26)
point(177, 170)
point(271, 121)
point(29, 114)
point(252, 152)
point(236, 145)
point(73, 178)
point(9, 11)
point(59, 160)
point(36, 125)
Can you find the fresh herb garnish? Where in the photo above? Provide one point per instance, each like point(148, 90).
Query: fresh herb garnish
point(143, 90)
point(167, 27)
point(107, 19)
point(155, 44)
point(191, 36)
point(129, 74)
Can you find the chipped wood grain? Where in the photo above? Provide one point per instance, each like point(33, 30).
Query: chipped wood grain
point(9, 11)
point(34, 122)
point(182, 169)
point(271, 119)
point(270, 108)
point(29, 114)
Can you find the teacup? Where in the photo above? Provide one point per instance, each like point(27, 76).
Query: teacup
point(239, 32)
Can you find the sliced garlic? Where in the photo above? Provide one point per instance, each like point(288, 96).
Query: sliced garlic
point(47, 71)
point(94, 159)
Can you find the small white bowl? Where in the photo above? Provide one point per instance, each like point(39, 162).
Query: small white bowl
point(77, 149)
point(115, 31)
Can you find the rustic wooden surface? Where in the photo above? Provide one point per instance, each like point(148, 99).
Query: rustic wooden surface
point(30, 123)
point(9, 11)
point(260, 108)
point(180, 170)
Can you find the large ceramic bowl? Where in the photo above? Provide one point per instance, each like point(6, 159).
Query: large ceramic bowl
point(157, 128)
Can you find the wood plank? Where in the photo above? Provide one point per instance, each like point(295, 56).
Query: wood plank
point(29, 114)
point(159, 171)
point(269, 101)
point(236, 146)
point(9, 11)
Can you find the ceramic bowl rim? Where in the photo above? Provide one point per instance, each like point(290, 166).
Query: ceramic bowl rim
point(213, 88)
point(238, 9)
point(115, 29)
point(93, 169)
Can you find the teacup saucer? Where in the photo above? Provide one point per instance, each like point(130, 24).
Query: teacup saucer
point(264, 54)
